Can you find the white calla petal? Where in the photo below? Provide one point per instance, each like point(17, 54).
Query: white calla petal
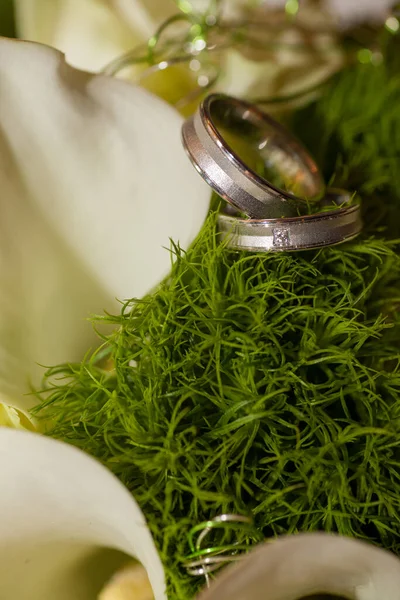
point(90, 33)
point(351, 13)
point(93, 32)
point(64, 516)
point(307, 565)
point(94, 184)
point(46, 294)
point(145, 15)
point(287, 74)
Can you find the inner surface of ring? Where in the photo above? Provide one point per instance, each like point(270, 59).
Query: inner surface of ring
point(333, 199)
point(266, 150)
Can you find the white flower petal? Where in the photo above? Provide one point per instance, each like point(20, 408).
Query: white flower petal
point(145, 15)
point(91, 32)
point(303, 565)
point(94, 183)
point(61, 513)
point(288, 73)
point(350, 13)
point(46, 294)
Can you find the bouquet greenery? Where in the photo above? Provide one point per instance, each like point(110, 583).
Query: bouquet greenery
point(269, 384)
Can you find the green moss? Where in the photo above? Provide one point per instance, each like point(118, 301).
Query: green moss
point(354, 133)
point(258, 384)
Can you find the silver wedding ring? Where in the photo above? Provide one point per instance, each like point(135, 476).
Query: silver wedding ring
point(294, 233)
point(250, 160)
point(262, 172)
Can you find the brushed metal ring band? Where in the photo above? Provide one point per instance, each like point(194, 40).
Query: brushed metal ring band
point(293, 233)
point(231, 177)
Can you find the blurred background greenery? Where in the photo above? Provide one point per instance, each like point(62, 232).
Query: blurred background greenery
point(7, 21)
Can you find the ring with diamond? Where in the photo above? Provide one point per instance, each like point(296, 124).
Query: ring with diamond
point(325, 228)
point(250, 160)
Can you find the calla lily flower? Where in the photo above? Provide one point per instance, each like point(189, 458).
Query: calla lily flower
point(94, 183)
point(67, 524)
point(93, 33)
point(313, 565)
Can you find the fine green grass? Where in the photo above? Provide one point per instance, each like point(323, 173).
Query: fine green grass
point(263, 384)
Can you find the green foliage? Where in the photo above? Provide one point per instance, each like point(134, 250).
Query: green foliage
point(263, 384)
point(354, 133)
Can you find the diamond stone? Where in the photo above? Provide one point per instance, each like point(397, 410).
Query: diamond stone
point(281, 237)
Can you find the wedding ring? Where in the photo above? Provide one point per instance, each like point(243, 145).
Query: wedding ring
point(250, 160)
point(294, 233)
